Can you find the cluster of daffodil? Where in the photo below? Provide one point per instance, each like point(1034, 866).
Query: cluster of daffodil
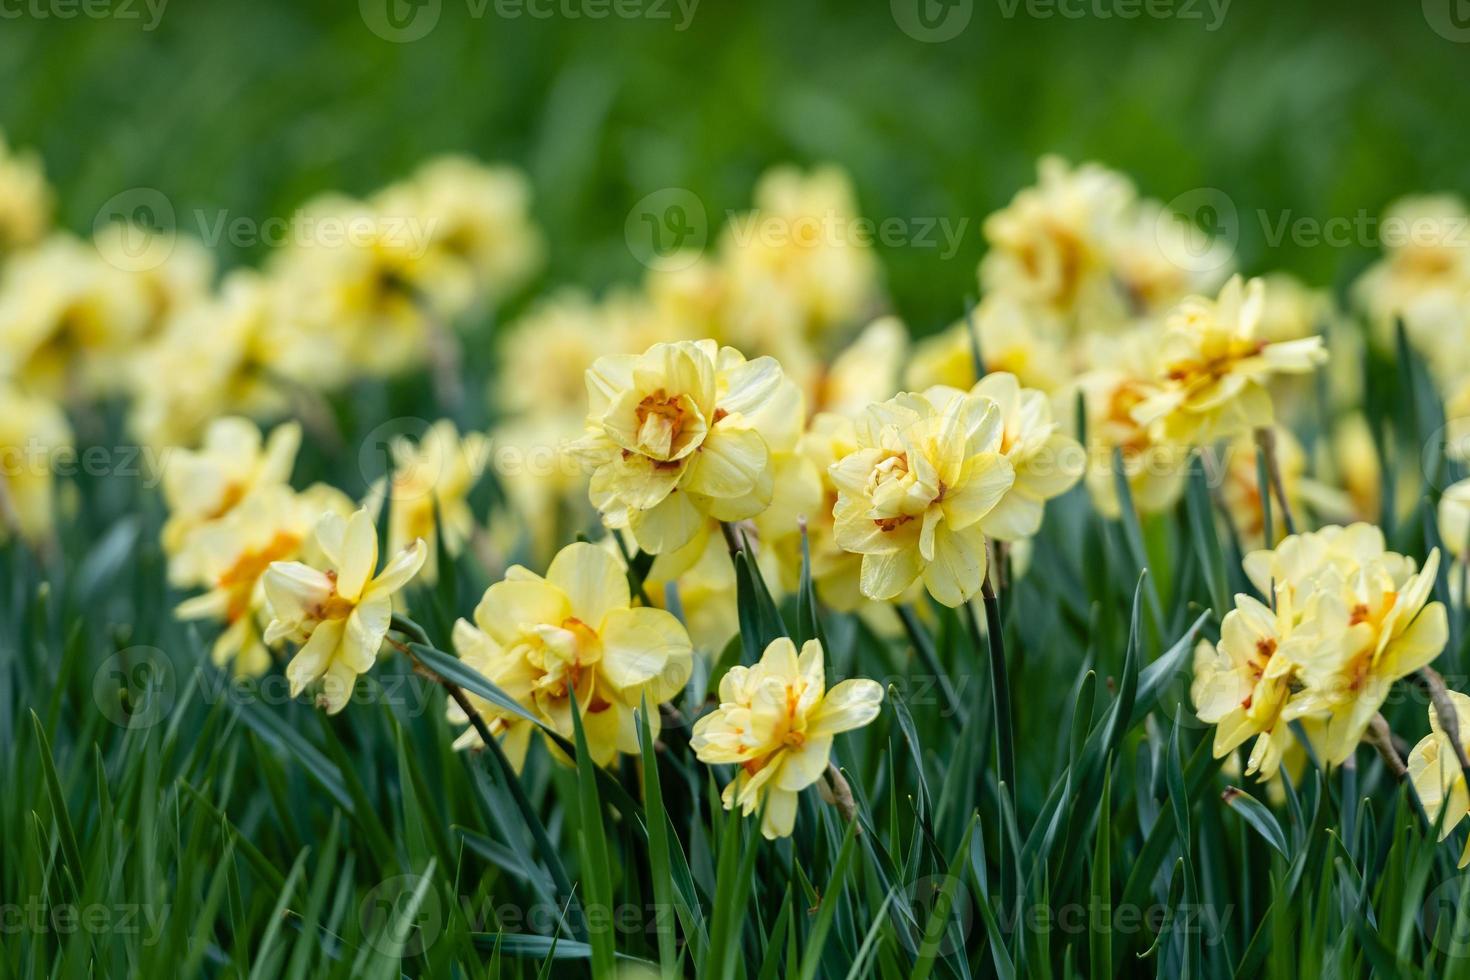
point(276, 565)
point(355, 288)
point(1344, 619)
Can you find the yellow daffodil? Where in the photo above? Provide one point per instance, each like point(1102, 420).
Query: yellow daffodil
point(211, 359)
point(797, 267)
point(912, 498)
point(1047, 462)
point(69, 321)
point(675, 436)
point(204, 485)
point(33, 434)
point(272, 524)
point(1424, 274)
point(542, 639)
point(1242, 685)
point(1371, 613)
point(1048, 247)
point(1434, 771)
point(339, 616)
point(436, 474)
point(1154, 465)
point(1212, 367)
point(478, 239)
point(776, 721)
point(26, 200)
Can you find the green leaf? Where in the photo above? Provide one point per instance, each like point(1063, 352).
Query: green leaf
point(1256, 814)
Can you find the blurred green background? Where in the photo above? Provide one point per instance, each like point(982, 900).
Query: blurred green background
point(1313, 110)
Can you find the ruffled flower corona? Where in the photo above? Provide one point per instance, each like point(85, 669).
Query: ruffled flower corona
point(337, 616)
point(776, 721)
point(914, 497)
point(542, 640)
point(675, 437)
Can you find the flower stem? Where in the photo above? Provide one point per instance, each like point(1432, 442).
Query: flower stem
point(1266, 440)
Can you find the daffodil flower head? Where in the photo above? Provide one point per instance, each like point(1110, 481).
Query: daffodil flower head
point(32, 429)
point(913, 498)
point(1242, 685)
point(776, 721)
point(204, 485)
point(339, 615)
point(434, 475)
point(675, 436)
point(573, 633)
point(1212, 366)
point(1369, 611)
point(1434, 771)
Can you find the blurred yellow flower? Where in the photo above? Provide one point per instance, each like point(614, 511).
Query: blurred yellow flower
point(478, 241)
point(675, 436)
point(1048, 247)
point(541, 639)
point(26, 200)
point(913, 496)
point(34, 433)
point(799, 266)
point(69, 321)
point(776, 721)
point(1014, 338)
point(338, 617)
point(204, 485)
point(1425, 271)
point(435, 474)
point(211, 359)
point(1434, 771)
point(1212, 367)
